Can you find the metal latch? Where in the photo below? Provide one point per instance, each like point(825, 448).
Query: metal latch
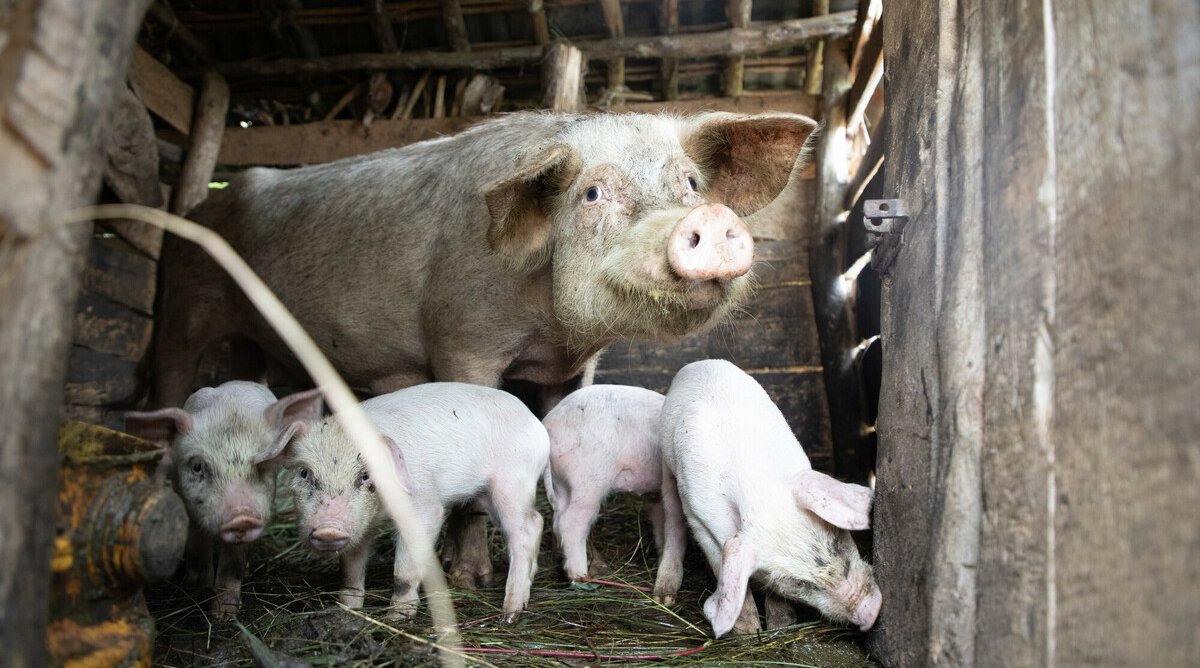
point(884, 220)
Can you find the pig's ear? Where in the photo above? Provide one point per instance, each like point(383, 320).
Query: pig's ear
point(737, 565)
point(401, 467)
point(298, 407)
point(160, 425)
point(521, 228)
point(841, 504)
point(747, 160)
point(282, 440)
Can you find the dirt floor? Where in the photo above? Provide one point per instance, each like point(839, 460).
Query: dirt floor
point(290, 616)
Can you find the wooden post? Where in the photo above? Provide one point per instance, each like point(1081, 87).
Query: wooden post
point(541, 28)
point(456, 25)
point(816, 51)
point(615, 22)
point(833, 296)
point(738, 13)
point(381, 26)
point(562, 79)
point(668, 24)
point(208, 126)
point(61, 74)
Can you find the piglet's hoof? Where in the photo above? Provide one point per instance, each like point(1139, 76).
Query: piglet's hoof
point(666, 600)
point(402, 612)
point(351, 598)
point(510, 617)
point(225, 606)
point(468, 578)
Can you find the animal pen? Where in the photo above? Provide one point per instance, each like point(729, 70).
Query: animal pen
point(981, 300)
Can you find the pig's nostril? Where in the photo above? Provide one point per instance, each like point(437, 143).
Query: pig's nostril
point(694, 240)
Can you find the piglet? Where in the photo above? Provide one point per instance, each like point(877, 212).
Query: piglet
point(604, 438)
point(222, 445)
point(755, 505)
point(452, 444)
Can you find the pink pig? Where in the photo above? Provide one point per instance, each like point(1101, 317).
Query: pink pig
point(755, 505)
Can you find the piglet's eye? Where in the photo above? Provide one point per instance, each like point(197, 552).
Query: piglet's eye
point(593, 193)
point(692, 183)
point(304, 474)
point(366, 476)
point(198, 467)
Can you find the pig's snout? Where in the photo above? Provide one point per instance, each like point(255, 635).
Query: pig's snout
point(244, 528)
point(710, 242)
point(329, 538)
point(868, 610)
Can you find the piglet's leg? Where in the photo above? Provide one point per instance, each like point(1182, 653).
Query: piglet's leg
point(572, 525)
point(199, 559)
point(522, 527)
point(674, 543)
point(466, 549)
point(406, 571)
point(354, 574)
point(227, 588)
point(780, 611)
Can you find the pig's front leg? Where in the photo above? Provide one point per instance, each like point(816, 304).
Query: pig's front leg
point(406, 569)
point(354, 574)
point(674, 542)
point(731, 607)
point(780, 611)
point(199, 559)
point(227, 588)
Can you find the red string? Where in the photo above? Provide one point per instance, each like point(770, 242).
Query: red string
point(583, 655)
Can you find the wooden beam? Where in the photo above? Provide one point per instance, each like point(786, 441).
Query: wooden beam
point(562, 79)
point(174, 28)
point(456, 25)
point(201, 157)
point(311, 143)
point(738, 14)
point(162, 92)
point(614, 22)
point(757, 39)
point(668, 24)
point(541, 28)
point(381, 26)
point(812, 73)
point(865, 79)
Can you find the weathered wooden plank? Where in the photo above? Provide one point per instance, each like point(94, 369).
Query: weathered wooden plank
point(163, 93)
point(757, 39)
point(456, 26)
point(562, 79)
point(106, 327)
point(1124, 354)
point(99, 379)
point(905, 428)
point(61, 65)
point(310, 143)
point(121, 276)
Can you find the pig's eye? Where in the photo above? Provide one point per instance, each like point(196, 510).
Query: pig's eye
point(594, 193)
point(304, 474)
point(366, 477)
point(197, 467)
point(692, 183)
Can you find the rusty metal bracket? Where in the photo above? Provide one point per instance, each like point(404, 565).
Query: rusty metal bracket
point(884, 220)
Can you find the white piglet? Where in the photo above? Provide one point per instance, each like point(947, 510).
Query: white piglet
point(223, 442)
point(452, 444)
point(755, 505)
point(604, 438)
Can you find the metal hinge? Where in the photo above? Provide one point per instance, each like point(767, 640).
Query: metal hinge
point(884, 220)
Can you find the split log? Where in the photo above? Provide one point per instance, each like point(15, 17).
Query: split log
point(163, 93)
point(61, 74)
point(757, 39)
point(207, 130)
point(562, 78)
point(481, 96)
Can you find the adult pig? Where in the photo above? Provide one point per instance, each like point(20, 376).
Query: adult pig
point(452, 444)
point(223, 442)
point(604, 438)
point(755, 505)
point(517, 249)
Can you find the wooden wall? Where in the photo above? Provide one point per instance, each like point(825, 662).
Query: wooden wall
point(1037, 428)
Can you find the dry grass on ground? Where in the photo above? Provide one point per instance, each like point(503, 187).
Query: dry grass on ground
point(290, 616)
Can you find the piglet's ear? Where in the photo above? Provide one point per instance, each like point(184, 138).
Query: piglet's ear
point(747, 159)
point(521, 227)
point(841, 504)
point(401, 467)
point(160, 425)
point(737, 565)
point(298, 407)
point(281, 441)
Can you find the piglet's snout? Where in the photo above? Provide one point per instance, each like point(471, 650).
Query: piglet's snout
point(245, 527)
point(329, 522)
point(868, 610)
point(710, 243)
